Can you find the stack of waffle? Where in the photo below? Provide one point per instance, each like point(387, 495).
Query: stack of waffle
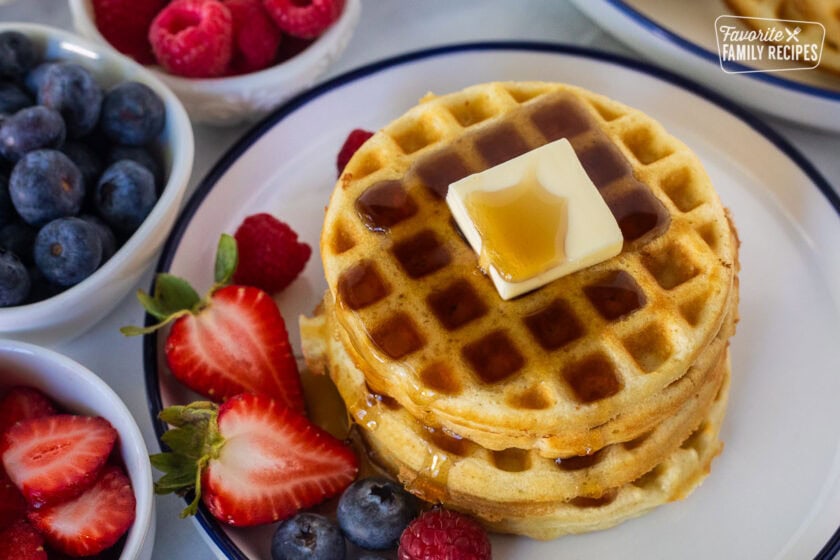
point(568, 409)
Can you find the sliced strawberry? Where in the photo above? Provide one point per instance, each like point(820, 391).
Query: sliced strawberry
point(233, 341)
point(56, 458)
point(262, 462)
point(12, 504)
point(92, 522)
point(20, 541)
point(21, 403)
point(237, 344)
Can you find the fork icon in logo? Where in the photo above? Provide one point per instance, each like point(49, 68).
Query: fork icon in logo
point(792, 34)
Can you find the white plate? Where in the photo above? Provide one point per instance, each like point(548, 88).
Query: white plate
point(775, 491)
point(681, 37)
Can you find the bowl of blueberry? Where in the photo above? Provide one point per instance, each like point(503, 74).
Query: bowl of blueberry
point(228, 61)
point(95, 156)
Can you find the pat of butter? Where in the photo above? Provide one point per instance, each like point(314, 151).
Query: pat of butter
point(534, 218)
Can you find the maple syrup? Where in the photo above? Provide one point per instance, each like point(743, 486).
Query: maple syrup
point(523, 228)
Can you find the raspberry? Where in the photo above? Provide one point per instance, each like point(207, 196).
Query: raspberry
point(255, 37)
point(125, 24)
point(193, 38)
point(354, 141)
point(306, 19)
point(444, 534)
point(270, 256)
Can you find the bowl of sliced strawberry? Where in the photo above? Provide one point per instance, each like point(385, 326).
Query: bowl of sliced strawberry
point(75, 480)
point(228, 61)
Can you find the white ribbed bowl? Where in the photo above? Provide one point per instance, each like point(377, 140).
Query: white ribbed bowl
point(236, 99)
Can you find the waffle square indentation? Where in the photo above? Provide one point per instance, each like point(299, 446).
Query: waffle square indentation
point(512, 460)
point(440, 378)
point(647, 146)
point(385, 204)
point(671, 267)
point(579, 462)
point(456, 305)
point(421, 254)
point(438, 170)
point(397, 336)
point(603, 162)
point(592, 379)
point(638, 213)
point(416, 136)
point(615, 295)
point(493, 357)
point(500, 143)
point(554, 326)
point(680, 186)
point(560, 118)
point(361, 285)
point(650, 347)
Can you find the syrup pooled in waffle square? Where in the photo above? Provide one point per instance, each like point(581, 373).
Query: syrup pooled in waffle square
point(428, 328)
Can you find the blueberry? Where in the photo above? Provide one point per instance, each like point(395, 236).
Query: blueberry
point(41, 287)
point(125, 195)
point(141, 156)
point(307, 536)
point(67, 251)
point(373, 512)
point(132, 114)
point(30, 129)
point(36, 76)
point(18, 238)
point(17, 54)
point(14, 280)
point(46, 185)
point(7, 209)
point(106, 235)
point(89, 164)
point(12, 98)
point(71, 90)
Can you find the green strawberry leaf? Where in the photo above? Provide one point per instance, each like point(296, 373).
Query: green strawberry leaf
point(194, 440)
point(173, 298)
point(227, 259)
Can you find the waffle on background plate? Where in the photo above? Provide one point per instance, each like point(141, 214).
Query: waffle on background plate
point(573, 407)
point(825, 12)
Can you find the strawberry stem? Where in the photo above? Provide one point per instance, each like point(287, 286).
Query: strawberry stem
point(174, 297)
point(194, 440)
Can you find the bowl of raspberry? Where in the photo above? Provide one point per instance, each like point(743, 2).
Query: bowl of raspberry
point(75, 479)
point(95, 157)
point(229, 61)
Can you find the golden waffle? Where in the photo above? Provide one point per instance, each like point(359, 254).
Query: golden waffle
point(430, 330)
point(673, 479)
point(441, 467)
point(826, 12)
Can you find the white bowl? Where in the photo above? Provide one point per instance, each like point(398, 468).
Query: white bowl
point(72, 312)
point(236, 99)
point(77, 390)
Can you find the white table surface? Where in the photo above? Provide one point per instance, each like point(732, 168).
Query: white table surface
point(387, 27)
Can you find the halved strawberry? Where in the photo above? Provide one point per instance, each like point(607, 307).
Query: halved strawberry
point(12, 504)
point(92, 522)
point(19, 541)
point(56, 458)
point(21, 403)
point(233, 341)
point(260, 462)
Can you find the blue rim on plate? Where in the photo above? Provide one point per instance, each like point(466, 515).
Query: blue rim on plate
point(150, 342)
point(659, 30)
